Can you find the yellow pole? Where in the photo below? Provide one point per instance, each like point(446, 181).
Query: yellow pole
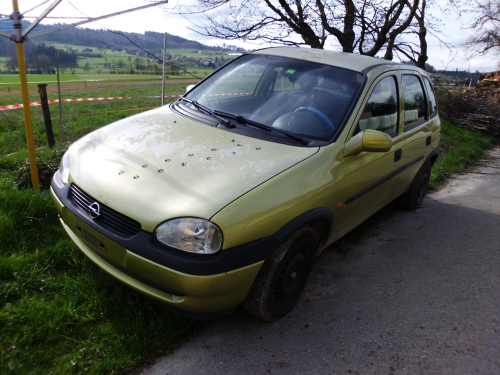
point(26, 105)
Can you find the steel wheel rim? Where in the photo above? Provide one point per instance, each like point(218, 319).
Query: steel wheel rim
point(290, 278)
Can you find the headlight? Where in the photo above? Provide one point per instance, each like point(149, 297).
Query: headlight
point(190, 234)
point(64, 168)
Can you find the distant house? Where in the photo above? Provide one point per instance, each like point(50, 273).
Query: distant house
point(124, 52)
point(84, 51)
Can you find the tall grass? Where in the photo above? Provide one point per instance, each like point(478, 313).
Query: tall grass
point(58, 312)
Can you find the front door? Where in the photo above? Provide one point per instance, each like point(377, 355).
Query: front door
point(372, 177)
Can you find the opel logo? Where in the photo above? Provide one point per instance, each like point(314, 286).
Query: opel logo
point(94, 210)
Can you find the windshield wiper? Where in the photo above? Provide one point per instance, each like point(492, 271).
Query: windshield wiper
point(208, 111)
point(244, 120)
point(300, 140)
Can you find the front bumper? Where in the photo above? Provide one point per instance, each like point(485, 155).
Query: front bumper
point(214, 284)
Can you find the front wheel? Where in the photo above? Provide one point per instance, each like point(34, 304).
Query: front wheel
point(283, 276)
point(413, 198)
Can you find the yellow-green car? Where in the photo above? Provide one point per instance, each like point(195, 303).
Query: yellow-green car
point(226, 196)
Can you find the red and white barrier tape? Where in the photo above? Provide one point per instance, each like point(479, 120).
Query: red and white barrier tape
point(72, 100)
point(77, 100)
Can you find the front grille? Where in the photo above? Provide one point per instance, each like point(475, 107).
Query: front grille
point(109, 219)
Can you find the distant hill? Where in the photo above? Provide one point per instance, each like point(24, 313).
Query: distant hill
point(150, 41)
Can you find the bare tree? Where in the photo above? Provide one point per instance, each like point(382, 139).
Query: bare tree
point(40, 63)
point(415, 52)
point(86, 66)
point(364, 26)
point(486, 28)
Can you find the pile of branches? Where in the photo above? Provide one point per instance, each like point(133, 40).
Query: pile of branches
point(477, 109)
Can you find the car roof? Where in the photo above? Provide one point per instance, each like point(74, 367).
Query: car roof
point(345, 60)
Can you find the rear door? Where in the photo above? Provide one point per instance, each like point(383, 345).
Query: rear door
point(418, 113)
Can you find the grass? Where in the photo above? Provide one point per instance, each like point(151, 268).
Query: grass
point(459, 148)
point(81, 82)
point(59, 314)
point(13, 79)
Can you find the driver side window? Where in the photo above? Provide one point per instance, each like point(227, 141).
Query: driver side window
point(381, 110)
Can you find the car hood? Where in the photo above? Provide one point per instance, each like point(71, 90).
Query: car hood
point(159, 165)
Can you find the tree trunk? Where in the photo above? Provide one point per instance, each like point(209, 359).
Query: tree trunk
point(422, 32)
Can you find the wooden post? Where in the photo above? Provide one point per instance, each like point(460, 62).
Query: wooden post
point(42, 89)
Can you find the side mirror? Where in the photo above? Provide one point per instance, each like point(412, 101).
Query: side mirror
point(368, 140)
point(190, 87)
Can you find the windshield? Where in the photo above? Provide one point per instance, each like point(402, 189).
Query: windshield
point(300, 98)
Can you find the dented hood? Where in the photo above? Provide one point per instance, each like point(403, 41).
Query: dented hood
point(159, 165)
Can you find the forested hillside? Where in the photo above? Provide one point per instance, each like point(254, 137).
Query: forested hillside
point(105, 51)
point(103, 39)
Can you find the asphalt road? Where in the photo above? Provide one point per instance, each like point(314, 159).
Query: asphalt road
point(418, 294)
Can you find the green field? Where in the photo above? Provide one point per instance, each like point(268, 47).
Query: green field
point(89, 85)
point(96, 65)
point(13, 79)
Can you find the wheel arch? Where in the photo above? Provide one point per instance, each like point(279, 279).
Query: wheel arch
point(431, 158)
point(434, 155)
point(319, 219)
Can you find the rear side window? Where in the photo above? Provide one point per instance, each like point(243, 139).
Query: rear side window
point(431, 96)
point(414, 98)
point(380, 112)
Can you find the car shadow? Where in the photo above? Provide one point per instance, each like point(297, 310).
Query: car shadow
point(409, 292)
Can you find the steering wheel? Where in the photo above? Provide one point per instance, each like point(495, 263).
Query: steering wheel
point(319, 114)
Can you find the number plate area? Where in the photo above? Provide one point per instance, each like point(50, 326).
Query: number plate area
point(101, 244)
point(92, 241)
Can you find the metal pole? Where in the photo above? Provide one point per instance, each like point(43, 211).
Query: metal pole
point(18, 37)
point(164, 70)
point(59, 96)
point(16, 16)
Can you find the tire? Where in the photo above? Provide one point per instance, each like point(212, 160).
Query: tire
point(413, 198)
point(283, 276)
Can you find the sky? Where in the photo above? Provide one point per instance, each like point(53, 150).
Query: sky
point(159, 20)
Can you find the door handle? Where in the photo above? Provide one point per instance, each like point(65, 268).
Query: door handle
point(397, 155)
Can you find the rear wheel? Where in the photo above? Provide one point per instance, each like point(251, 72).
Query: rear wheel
point(413, 198)
point(283, 276)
